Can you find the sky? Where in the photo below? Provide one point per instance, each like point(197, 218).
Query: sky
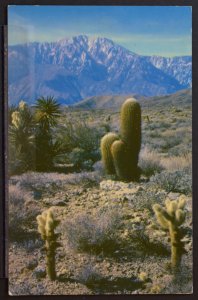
point(146, 30)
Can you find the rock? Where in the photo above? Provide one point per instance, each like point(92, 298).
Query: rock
point(110, 185)
point(173, 196)
point(54, 202)
point(37, 194)
point(39, 272)
point(32, 264)
point(58, 202)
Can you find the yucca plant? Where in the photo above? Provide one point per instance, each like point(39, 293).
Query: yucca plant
point(47, 112)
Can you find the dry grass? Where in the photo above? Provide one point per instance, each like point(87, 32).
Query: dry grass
point(150, 162)
point(178, 163)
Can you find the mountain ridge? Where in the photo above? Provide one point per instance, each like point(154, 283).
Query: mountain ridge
point(115, 102)
point(81, 67)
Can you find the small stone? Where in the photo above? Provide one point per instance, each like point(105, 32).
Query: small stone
point(39, 272)
point(32, 264)
point(173, 196)
point(58, 203)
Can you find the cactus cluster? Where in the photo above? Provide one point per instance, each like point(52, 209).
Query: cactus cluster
point(171, 218)
point(120, 155)
point(46, 227)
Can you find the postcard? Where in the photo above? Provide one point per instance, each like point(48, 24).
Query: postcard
point(99, 150)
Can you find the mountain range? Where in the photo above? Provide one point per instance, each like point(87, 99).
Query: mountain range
point(179, 99)
point(80, 67)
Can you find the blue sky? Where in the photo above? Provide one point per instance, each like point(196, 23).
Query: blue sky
point(146, 30)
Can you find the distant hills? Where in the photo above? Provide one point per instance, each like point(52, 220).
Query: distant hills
point(81, 67)
point(179, 98)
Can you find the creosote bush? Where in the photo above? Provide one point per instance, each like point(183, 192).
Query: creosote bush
point(178, 182)
point(93, 234)
point(21, 213)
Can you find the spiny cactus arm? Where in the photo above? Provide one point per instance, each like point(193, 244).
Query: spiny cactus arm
point(180, 216)
point(119, 153)
point(158, 209)
point(162, 216)
point(172, 206)
point(174, 215)
point(181, 202)
point(131, 124)
point(41, 226)
point(106, 143)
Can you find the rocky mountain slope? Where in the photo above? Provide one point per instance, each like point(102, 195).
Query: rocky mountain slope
point(80, 67)
point(115, 102)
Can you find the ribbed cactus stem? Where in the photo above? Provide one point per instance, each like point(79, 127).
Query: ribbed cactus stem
point(171, 218)
point(119, 153)
point(46, 227)
point(131, 126)
point(106, 143)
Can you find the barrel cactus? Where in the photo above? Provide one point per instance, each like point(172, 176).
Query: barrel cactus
point(120, 156)
point(106, 143)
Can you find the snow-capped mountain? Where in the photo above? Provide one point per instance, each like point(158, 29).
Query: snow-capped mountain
point(80, 67)
point(179, 67)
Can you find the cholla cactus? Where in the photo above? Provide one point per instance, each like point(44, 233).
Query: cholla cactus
point(16, 119)
point(46, 227)
point(171, 218)
point(22, 105)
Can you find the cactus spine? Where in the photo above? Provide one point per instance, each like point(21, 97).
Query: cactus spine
point(120, 156)
point(46, 227)
point(171, 218)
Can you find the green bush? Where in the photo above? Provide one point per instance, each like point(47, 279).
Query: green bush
point(80, 144)
point(178, 182)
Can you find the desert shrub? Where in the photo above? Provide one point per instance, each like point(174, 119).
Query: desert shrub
point(47, 181)
point(146, 199)
point(149, 162)
point(21, 213)
point(158, 125)
point(82, 159)
point(95, 234)
point(178, 181)
point(78, 134)
point(170, 142)
point(81, 143)
point(88, 274)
